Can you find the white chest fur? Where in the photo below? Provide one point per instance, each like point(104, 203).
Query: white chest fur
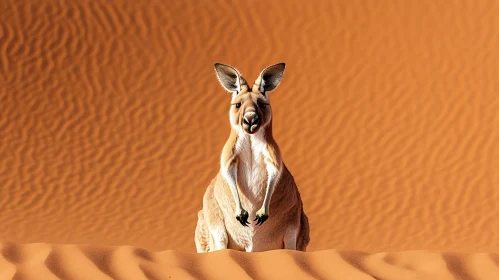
point(252, 174)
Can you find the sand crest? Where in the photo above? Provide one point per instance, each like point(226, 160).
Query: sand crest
point(66, 262)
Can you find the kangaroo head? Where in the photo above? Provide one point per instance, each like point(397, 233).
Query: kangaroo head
point(250, 107)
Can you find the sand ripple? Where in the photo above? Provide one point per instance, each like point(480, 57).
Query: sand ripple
point(65, 262)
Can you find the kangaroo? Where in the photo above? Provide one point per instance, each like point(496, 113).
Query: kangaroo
point(253, 180)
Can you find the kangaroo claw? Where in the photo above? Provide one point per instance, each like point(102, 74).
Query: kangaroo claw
point(243, 217)
point(261, 219)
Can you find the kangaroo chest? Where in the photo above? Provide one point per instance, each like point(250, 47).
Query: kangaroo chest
point(252, 172)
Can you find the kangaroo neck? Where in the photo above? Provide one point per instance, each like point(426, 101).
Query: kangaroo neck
point(264, 134)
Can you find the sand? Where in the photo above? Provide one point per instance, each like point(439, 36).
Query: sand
point(112, 123)
point(47, 262)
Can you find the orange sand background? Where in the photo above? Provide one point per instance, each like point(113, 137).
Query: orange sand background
point(112, 120)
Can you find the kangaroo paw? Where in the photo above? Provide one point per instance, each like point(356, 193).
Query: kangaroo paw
point(243, 217)
point(261, 218)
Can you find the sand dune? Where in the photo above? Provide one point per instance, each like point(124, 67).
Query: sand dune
point(112, 122)
point(45, 261)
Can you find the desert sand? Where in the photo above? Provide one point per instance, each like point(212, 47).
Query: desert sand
point(112, 123)
point(47, 262)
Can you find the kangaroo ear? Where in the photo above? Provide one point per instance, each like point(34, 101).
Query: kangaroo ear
point(270, 77)
point(229, 77)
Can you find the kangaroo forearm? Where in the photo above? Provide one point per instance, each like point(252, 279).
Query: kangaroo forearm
point(273, 177)
point(230, 175)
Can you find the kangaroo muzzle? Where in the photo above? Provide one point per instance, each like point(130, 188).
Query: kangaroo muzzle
point(251, 122)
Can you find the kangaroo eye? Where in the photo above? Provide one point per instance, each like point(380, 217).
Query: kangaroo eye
point(262, 105)
point(238, 105)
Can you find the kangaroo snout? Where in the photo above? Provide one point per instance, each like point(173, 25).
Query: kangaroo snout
point(250, 118)
point(250, 122)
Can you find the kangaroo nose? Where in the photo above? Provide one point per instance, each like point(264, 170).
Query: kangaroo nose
point(250, 118)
